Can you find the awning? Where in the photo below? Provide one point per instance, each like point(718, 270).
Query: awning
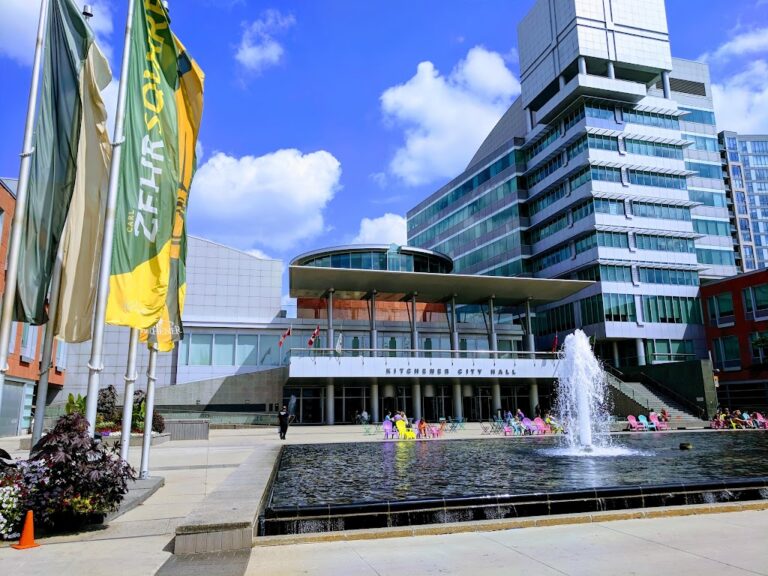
point(349, 284)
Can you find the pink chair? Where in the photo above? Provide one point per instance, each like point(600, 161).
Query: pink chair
point(634, 425)
point(543, 427)
point(760, 421)
point(660, 424)
point(388, 431)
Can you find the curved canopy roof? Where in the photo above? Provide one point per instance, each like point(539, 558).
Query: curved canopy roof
point(310, 282)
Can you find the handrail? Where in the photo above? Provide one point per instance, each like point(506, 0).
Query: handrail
point(419, 353)
point(676, 396)
point(617, 382)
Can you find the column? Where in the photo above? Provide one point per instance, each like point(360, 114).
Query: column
point(615, 345)
point(640, 348)
point(496, 396)
point(329, 303)
point(329, 402)
point(416, 392)
point(530, 340)
point(528, 121)
point(533, 396)
point(457, 400)
point(374, 332)
point(454, 329)
point(414, 331)
point(582, 65)
point(665, 84)
point(561, 81)
point(375, 402)
point(492, 339)
point(611, 70)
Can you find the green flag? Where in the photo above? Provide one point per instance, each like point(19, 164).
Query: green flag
point(141, 252)
point(72, 62)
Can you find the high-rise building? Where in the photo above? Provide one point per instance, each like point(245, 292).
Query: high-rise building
point(745, 169)
point(605, 168)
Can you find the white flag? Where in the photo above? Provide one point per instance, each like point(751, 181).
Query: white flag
point(339, 344)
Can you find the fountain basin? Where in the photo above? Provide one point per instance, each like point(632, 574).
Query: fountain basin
point(351, 486)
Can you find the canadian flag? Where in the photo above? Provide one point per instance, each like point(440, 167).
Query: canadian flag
point(313, 337)
point(284, 336)
point(554, 344)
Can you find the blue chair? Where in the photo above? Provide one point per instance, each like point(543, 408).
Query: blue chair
point(648, 424)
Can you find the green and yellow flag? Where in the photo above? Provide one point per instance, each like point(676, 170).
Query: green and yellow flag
point(68, 173)
point(189, 109)
point(149, 174)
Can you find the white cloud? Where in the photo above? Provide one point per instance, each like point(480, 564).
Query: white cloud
point(259, 254)
point(258, 49)
point(276, 200)
point(18, 27)
point(387, 229)
point(750, 42)
point(199, 151)
point(741, 100)
point(446, 118)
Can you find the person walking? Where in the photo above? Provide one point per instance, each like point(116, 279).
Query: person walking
point(282, 420)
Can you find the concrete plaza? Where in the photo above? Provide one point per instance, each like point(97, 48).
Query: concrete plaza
point(140, 541)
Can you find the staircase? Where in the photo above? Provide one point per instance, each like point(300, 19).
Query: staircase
point(679, 417)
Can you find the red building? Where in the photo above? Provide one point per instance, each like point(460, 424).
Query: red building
point(26, 343)
point(736, 316)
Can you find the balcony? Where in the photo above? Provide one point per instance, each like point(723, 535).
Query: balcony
point(425, 364)
point(590, 85)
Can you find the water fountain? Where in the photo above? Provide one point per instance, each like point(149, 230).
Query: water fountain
point(582, 398)
point(367, 485)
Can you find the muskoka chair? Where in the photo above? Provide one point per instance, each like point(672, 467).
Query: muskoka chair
point(760, 421)
point(404, 432)
point(516, 427)
point(634, 425)
point(389, 432)
point(543, 427)
point(644, 422)
point(660, 424)
point(530, 427)
point(485, 428)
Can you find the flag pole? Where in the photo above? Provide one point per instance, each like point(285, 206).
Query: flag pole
point(149, 411)
point(95, 365)
point(12, 270)
point(45, 362)
point(130, 379)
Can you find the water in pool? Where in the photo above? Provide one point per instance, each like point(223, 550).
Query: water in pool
point(399, 470)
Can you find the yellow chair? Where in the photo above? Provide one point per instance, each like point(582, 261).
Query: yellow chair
point(404, 432)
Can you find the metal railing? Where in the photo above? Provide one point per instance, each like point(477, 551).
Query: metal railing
point(410, 353)
point(617, 381)
point(225, 418)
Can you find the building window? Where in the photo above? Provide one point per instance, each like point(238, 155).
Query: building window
point(224, 350)
point(659, 351)
point(759, 344)
point(392, 345)
point(671, 310)
point(721, 309)
point(247, 350)
point(200, 349)
point(756, 302)
point(61, 355)
point(726, 351)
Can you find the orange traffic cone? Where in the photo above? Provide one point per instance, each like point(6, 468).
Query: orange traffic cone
point(27, 534)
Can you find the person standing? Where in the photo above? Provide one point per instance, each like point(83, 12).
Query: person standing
point(282, 420)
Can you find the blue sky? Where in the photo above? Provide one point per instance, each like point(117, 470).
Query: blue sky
point(325, 120)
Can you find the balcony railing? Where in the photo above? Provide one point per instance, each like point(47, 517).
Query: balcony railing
point(409, 353)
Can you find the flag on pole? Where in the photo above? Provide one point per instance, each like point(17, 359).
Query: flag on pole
point(69, 167)
point(554, 343)
point(284, 336)
point(313, 337)
point(339, 344)
point(189, 109)
point(149, 174)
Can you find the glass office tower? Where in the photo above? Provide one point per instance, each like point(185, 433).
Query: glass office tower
point(745, 169)
point(605, 168)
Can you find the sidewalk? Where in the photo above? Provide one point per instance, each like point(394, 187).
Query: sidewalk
point(137, 543)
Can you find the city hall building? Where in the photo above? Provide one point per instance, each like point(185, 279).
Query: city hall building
point(378, 328)
point(605, 168)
